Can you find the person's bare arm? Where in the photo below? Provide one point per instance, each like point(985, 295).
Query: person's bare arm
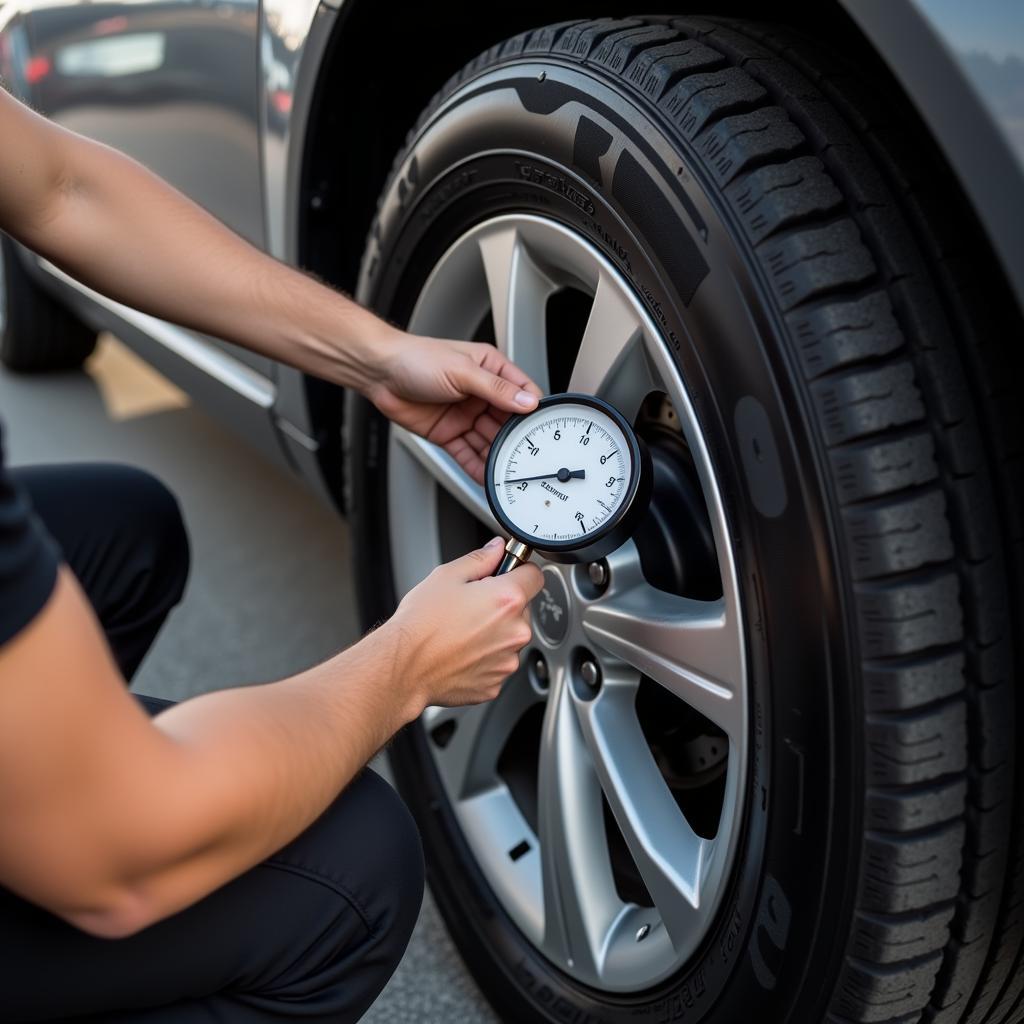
point(113, 820)
point(116, 227)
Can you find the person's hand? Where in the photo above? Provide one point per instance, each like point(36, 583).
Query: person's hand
point(458, 633)
point(454, 393)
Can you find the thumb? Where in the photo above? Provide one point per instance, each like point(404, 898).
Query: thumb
point(479, 564)
point(495, 390)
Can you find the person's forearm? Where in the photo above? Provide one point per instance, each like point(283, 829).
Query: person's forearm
point(122, 231)
point(113, 820)
point(300, 742)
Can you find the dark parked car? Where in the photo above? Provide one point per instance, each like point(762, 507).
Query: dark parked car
point(773, 775)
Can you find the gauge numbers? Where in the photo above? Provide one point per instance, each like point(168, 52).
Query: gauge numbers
point(563, 473)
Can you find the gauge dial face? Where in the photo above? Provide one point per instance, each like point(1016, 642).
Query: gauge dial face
point(562, 474)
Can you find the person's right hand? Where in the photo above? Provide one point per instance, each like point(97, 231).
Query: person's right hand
point(459, 632)
point(454, 393)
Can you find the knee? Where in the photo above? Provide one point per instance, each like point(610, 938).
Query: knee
point(166, 537)
point(351, 887)
point(390, 861)
point(392, 882)
point(395, 862)
point(368, 843)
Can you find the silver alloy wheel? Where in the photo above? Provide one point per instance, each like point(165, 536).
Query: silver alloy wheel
point(556, 883)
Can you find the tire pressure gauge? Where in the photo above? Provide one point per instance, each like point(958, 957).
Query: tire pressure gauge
point(570, 479)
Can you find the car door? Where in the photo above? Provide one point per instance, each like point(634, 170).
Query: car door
point(173, 83)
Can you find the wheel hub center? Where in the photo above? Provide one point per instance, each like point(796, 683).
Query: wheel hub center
point(550, 608)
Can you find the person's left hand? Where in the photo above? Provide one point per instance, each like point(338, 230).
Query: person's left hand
point(454, 393)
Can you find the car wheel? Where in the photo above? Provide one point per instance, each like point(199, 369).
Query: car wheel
point(37, 333)
point(770, 772)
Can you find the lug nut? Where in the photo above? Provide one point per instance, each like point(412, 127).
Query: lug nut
point(598, 573)
point(538, 670)
point(590, 673)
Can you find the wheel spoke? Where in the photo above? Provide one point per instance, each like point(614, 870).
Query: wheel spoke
point(612, 360)
point(447, 473)
point(468, 760)
point(580, 904)
point(668, 853)
point(692, 648)
point(519, 291)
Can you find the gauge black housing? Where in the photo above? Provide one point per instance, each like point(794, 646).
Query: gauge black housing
point(620, 526)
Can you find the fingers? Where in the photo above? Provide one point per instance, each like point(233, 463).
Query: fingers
point(528, 619)
point(486, 427)
point(476, 441)
point(516, 588)
point(481, 434)
point(495, 361)
point(528, 578)
point(497, 390)
point(478, 564)
point(471, 461)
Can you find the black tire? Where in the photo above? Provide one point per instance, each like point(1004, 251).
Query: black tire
point(881, 875)
point(38, 334)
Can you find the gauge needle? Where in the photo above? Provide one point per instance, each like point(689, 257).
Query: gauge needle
point(562, 475)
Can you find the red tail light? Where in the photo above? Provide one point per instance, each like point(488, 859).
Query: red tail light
point(37, 69)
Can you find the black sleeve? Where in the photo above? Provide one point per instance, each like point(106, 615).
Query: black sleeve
point(28, 558)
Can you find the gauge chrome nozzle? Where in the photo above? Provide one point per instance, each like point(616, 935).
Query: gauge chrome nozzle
point(516, 554)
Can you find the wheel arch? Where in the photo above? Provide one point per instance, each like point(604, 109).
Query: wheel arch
point(922, 50)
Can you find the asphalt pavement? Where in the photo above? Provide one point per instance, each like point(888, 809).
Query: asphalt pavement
point(270, 590)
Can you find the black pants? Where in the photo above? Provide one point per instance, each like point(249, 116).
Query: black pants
point(311, 934)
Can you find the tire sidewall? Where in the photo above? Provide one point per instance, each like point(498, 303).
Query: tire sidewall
point(797, 842)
